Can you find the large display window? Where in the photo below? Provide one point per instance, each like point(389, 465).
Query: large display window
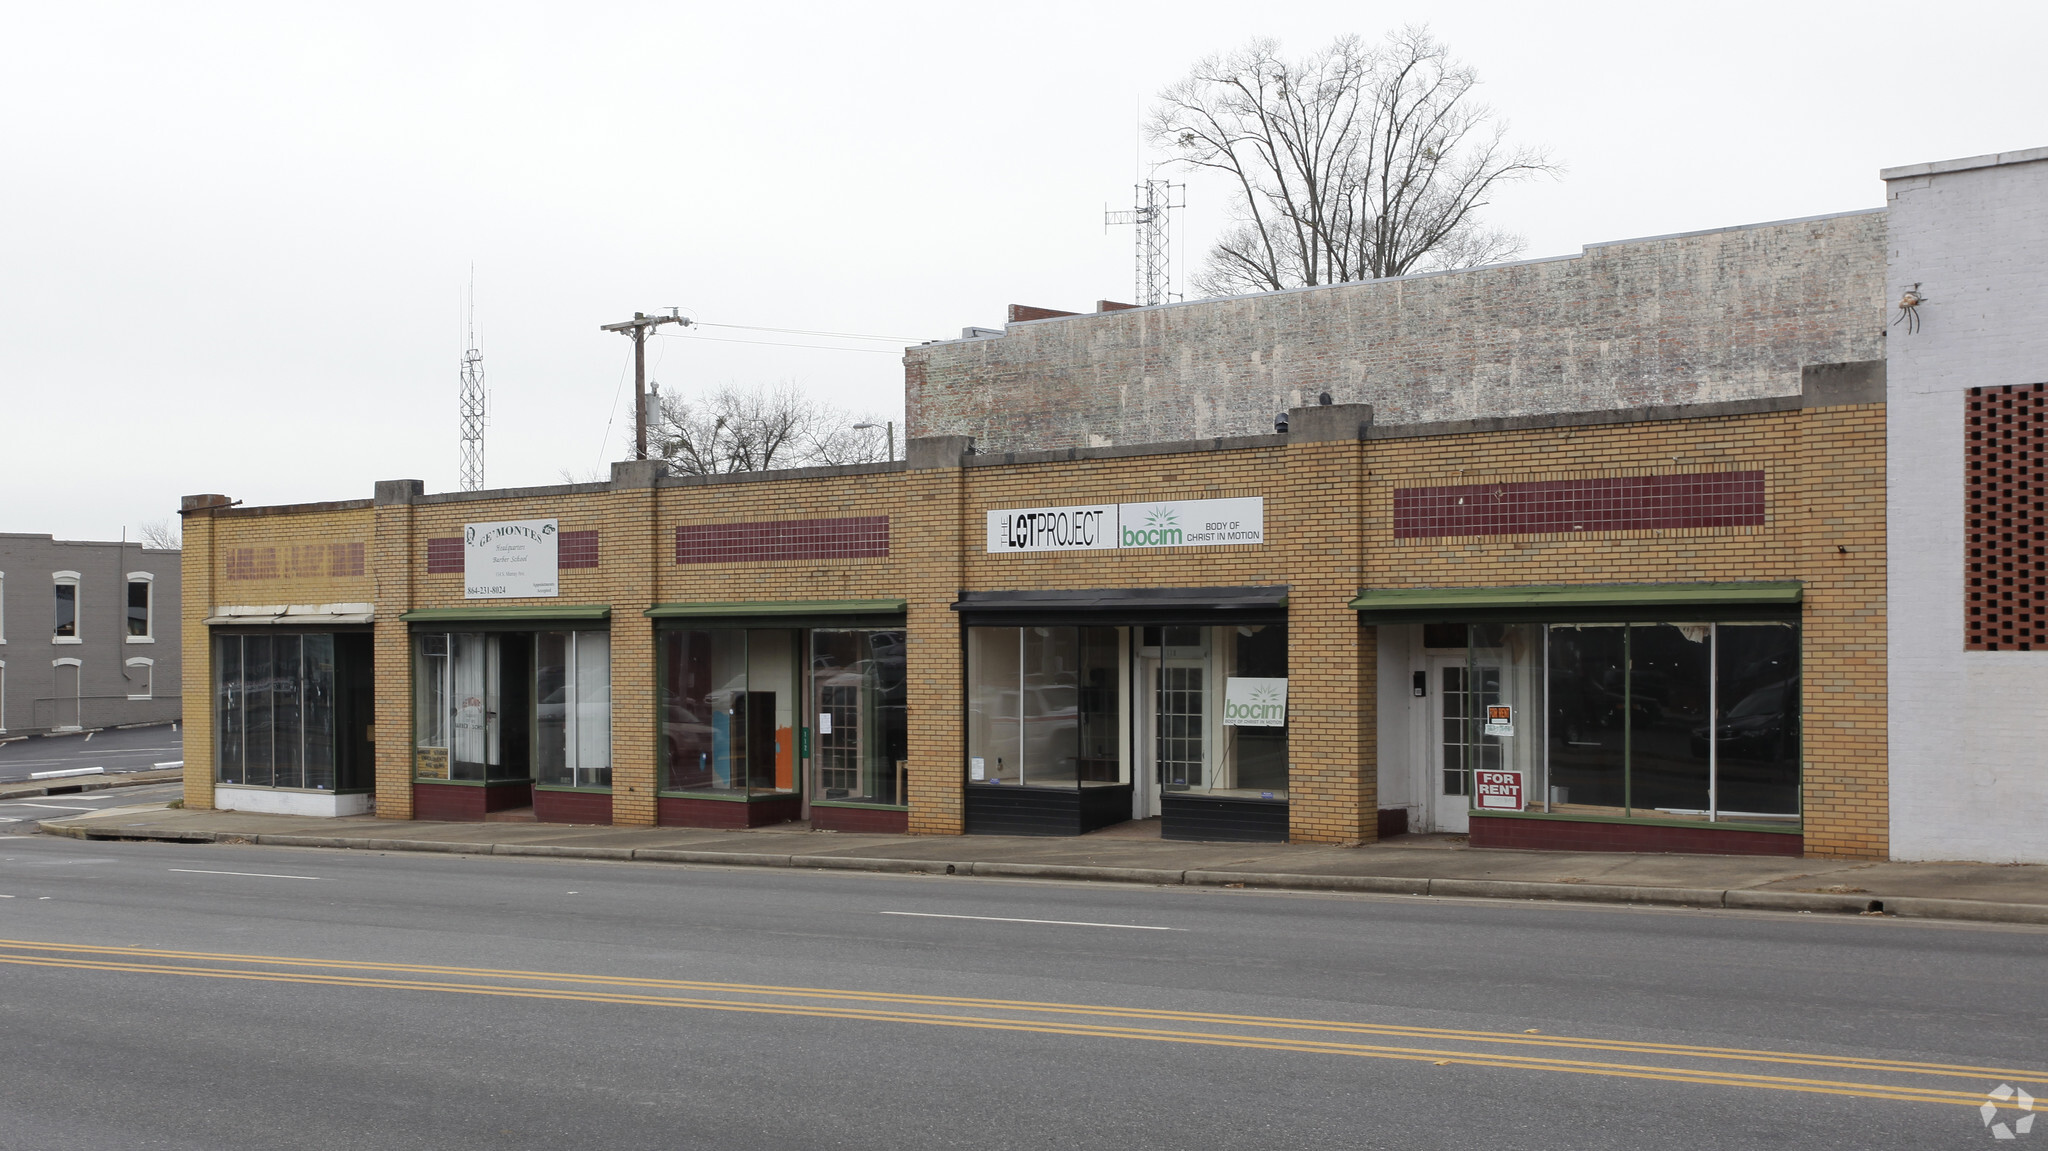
point(491, 707)
point(1662, 720)
point(729, 711)
point(292, 710)
point(1044, 706)
point(860, 730)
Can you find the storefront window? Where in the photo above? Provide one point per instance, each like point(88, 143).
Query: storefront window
point(1656, 720)
point(274, 710)
point(860, 728)
point(729, 710)
point(573, 711)
point(1212, 709)
point(1044, 706)
point(479, 715)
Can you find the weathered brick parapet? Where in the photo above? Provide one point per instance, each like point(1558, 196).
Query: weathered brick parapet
point(1705, 317)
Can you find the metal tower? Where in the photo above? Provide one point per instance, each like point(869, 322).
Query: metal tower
point(1152, 215)
point(475, 404)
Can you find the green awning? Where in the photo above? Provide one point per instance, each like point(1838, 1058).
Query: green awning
point(508, 613)
point(764, 609)
point(1566, 602)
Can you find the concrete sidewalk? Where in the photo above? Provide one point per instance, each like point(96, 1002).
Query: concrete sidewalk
point(1407, 865)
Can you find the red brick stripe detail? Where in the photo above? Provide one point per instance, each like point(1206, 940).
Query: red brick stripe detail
point(576, 550)
point(2007, 494)
point(444, 555)
point(1620, 504)
point(856, 537)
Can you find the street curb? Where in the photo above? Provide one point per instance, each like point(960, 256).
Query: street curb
point(79, 783)
point(1740, 899)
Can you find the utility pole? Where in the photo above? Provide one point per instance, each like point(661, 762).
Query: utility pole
point(637, 330)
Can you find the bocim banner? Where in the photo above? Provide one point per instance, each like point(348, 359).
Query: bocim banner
point(1249, 702)
point(510, 559)
point(1104, 527)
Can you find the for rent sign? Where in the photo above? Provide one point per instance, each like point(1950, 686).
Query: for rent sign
point(1156, 524)
point(510, 559)
point(1497, 790)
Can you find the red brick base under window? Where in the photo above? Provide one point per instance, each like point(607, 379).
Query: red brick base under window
point(593, 807)
point(466, 802)
point(1536, 834)
point(680, 811)
point(874, 820)
point(1393, 822)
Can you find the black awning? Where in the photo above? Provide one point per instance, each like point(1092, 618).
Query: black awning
point(1142, 605)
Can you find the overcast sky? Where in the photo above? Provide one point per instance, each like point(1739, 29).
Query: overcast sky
point(234, 238)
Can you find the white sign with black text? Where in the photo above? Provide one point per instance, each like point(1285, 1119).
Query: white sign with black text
point(1154, 524)
point(510, 559)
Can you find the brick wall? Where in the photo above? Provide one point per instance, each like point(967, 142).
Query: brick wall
point(1708, 317)
point(1330, 514)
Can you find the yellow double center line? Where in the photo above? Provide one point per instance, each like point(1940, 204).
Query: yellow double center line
point(1674, 1062)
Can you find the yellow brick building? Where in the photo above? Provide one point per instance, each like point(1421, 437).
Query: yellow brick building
point(1651, 629)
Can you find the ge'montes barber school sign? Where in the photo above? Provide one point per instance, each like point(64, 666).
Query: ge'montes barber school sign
point(510, 559)
point(1100, 527)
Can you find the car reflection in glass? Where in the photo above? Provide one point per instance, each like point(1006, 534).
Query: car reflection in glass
point(1762, 725)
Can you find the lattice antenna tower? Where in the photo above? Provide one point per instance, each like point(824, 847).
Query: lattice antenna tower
point(475, 403)
point(1152, 213)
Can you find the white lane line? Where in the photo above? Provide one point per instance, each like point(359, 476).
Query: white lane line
point(51, 806)
point(248, 874)
point(1049, 922)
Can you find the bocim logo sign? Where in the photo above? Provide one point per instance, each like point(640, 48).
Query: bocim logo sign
point(1106, 527)
point(1249, 702)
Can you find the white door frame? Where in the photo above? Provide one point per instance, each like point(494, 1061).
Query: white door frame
point(1445, 813)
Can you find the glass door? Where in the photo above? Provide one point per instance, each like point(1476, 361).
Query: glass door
point(1457, 748)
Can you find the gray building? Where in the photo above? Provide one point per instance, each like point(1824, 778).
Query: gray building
point(88, 635)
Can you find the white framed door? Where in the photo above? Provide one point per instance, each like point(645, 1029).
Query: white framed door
point(1458, 694)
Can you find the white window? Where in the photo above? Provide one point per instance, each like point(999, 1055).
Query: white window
point(141, 670)
point(66, 629)
point(3, 613)
point(141, 608)
point(3, 697)
point(69, 698)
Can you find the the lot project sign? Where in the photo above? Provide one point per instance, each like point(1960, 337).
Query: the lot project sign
point(510, 559)
point(1105, 527)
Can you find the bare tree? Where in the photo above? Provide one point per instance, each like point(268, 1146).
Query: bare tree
point(163, 534)
point(736, 429)
point(1355, 163)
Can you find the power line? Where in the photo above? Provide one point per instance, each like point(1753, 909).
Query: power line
point(807, 332)
point(777, 344)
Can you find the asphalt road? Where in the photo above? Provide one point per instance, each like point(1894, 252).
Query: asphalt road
point(116, 749)
point(22, 816)
point(223, 997)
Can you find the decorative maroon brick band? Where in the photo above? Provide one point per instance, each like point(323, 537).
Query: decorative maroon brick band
point(444, 555)
point(1619, 504)
point(576, 550)
point(2007, 494)
point(856, 537)
point(299, 561)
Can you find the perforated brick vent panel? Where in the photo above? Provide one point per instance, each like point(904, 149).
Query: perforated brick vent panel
point(2006, 437)
point(444, 555)
point(1613, 504)
point(576, 550)
point(855, 537)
